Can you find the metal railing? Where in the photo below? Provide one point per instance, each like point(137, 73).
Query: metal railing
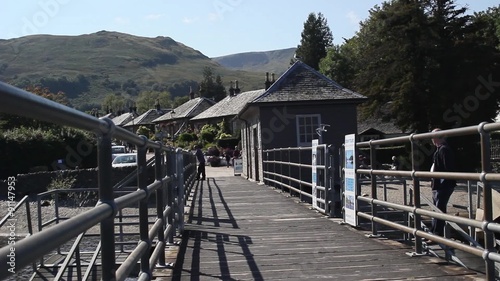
point(171, 167)
point(415, 209)
point(291, 170)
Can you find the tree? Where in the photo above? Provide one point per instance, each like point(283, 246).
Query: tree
point(316, 39)
point(212, 87)
point(339, 65)
point(179, 100)
point(489, 22)
point(8, 121)
point(420, 65)
point(148, 100)
point(114, 102)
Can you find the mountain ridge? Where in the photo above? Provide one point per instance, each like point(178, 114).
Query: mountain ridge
point(88, 67)
point(276, 61)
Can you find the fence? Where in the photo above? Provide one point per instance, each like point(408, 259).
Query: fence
point(291, 169)
point(174, 175)
point(414, 209)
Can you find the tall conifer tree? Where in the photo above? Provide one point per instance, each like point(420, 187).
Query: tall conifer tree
point(316, 39)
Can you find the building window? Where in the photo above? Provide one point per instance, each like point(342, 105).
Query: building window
point(306, 128)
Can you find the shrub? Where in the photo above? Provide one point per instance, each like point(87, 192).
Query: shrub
point(186, 137)
point(207, 136)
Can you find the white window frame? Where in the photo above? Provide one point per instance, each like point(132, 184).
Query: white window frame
point(312, 131)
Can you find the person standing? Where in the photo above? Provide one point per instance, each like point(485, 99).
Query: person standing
point(395, 163)
point(228, 154)
point(201, 163)
point(442, 189)
point(236, 154)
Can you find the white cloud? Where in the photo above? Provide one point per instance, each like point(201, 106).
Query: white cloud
point(353, 18)
point(154, 17)
point(120, 20)
point(214, 17)
point(187, 20)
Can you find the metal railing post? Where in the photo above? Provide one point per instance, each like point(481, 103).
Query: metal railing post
point(170, 193)
point(106, 196)
point(142, 176)
point(300, 175)
point(416, 192)
point(160, 204)
point(489, 238)
point(329, 189)
point(373, 181)
point(180, 188)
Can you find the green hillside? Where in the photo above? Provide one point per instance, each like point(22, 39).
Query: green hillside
point(89, 67)
point(276, 61)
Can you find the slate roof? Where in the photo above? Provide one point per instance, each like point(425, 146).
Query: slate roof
point(109, 115)
point(387, 128)
point(124, 118)
point(188, 109)
point(229, 106)
point(302, 82)
point(147, 117)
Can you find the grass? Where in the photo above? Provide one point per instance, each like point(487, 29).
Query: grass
point(105, 58)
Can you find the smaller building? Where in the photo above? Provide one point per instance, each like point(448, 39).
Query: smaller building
point(374, 129)
point(124, 118)
point(226, 109)
point(300, 106)
point(175, 121)
point(146, 120)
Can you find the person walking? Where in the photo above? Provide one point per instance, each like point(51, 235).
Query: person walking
point(442, 189)
point(201, 163)
point(228, 154)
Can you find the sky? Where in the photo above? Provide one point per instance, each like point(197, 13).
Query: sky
point(213, 27)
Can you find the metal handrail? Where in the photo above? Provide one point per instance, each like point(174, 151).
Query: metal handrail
point(24, 200)
point(485, 176)
point(274, 157)
point(30, 249)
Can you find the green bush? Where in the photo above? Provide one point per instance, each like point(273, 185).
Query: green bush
point(207, 136)
point(27, 148)
point(145, 131)
point(186, 137)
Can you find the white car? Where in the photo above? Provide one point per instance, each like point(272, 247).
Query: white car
point(125, 160)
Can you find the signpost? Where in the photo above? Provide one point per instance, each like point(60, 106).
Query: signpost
point(350, 180)
point(238, 166)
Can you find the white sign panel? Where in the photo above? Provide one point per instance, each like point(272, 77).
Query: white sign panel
point(314, 174)
point(238, 166)
point(350, 180)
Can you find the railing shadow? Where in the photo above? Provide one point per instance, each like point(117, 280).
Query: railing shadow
point(195, 235)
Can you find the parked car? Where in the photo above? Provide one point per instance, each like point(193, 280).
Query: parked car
point(117, 149)
point(125, 160)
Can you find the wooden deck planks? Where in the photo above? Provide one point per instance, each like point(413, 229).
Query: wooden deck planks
point(240, 230)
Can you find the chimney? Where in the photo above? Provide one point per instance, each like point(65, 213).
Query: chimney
point(157, 105)
point(237, 89)
point(231, 89)
point(130, 109)
point(267, 83)
point(191, 93)
point(272, 76)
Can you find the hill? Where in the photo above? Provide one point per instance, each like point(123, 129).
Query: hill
point(89, 67)
point(276, 61)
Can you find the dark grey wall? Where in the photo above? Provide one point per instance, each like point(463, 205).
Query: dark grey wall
point(279, 126)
